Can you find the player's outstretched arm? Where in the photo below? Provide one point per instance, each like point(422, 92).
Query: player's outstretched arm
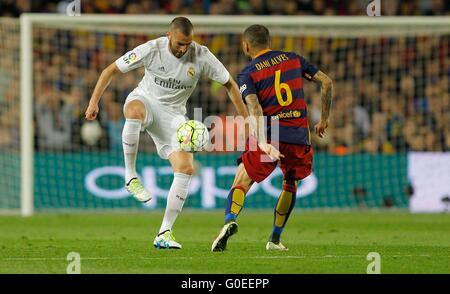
point(102, 83)
point(235, 97)
point(257, 120)
point(326, 87)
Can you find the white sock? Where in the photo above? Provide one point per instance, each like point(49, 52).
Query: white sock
point(175, 200)
point(130, 143)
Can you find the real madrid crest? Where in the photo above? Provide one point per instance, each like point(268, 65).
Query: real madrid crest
point(191, 72)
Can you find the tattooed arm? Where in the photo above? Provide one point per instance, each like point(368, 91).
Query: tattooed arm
point(326, 87)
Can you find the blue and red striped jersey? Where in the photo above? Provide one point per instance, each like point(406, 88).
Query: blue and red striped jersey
point(276, 77)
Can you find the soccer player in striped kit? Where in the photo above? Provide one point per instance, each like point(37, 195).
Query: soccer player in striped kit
point(272, 86)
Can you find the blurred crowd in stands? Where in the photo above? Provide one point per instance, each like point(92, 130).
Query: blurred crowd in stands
point(391, 94)
point(230, 7)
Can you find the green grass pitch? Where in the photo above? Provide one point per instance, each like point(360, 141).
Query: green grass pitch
point(319, 242)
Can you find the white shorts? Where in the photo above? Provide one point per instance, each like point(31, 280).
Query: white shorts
point(161, 123)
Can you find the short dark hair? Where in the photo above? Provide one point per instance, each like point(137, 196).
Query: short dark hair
point(257, 35)
point(182, 24)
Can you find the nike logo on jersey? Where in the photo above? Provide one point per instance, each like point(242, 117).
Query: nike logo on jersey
point(243, 88)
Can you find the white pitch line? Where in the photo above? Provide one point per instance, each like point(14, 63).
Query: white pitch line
point(88, 258)
point(338, 256)
point(212, 256)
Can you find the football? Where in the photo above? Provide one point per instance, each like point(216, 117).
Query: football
point(192, 136)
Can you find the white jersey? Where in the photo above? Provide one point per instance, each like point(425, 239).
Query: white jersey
point(169, 79)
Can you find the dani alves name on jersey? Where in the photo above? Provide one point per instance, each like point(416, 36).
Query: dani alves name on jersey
point(270, 62)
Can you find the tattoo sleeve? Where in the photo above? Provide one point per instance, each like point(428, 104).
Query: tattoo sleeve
point(326, 87)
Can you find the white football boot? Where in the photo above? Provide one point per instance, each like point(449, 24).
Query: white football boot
point(228, 230)
point(277, 247)
point(166, 240)
point(135, 188)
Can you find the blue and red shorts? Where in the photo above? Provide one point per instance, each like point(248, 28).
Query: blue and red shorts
point(296, 164)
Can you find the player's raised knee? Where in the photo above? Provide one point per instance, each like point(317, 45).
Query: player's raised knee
point(185, 169)
point(242, 178)
point(134, 110)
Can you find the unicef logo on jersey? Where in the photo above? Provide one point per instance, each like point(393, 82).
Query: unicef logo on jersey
point(130, 58)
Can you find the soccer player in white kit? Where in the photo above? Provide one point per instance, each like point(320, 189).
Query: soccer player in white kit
point(173, 65)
